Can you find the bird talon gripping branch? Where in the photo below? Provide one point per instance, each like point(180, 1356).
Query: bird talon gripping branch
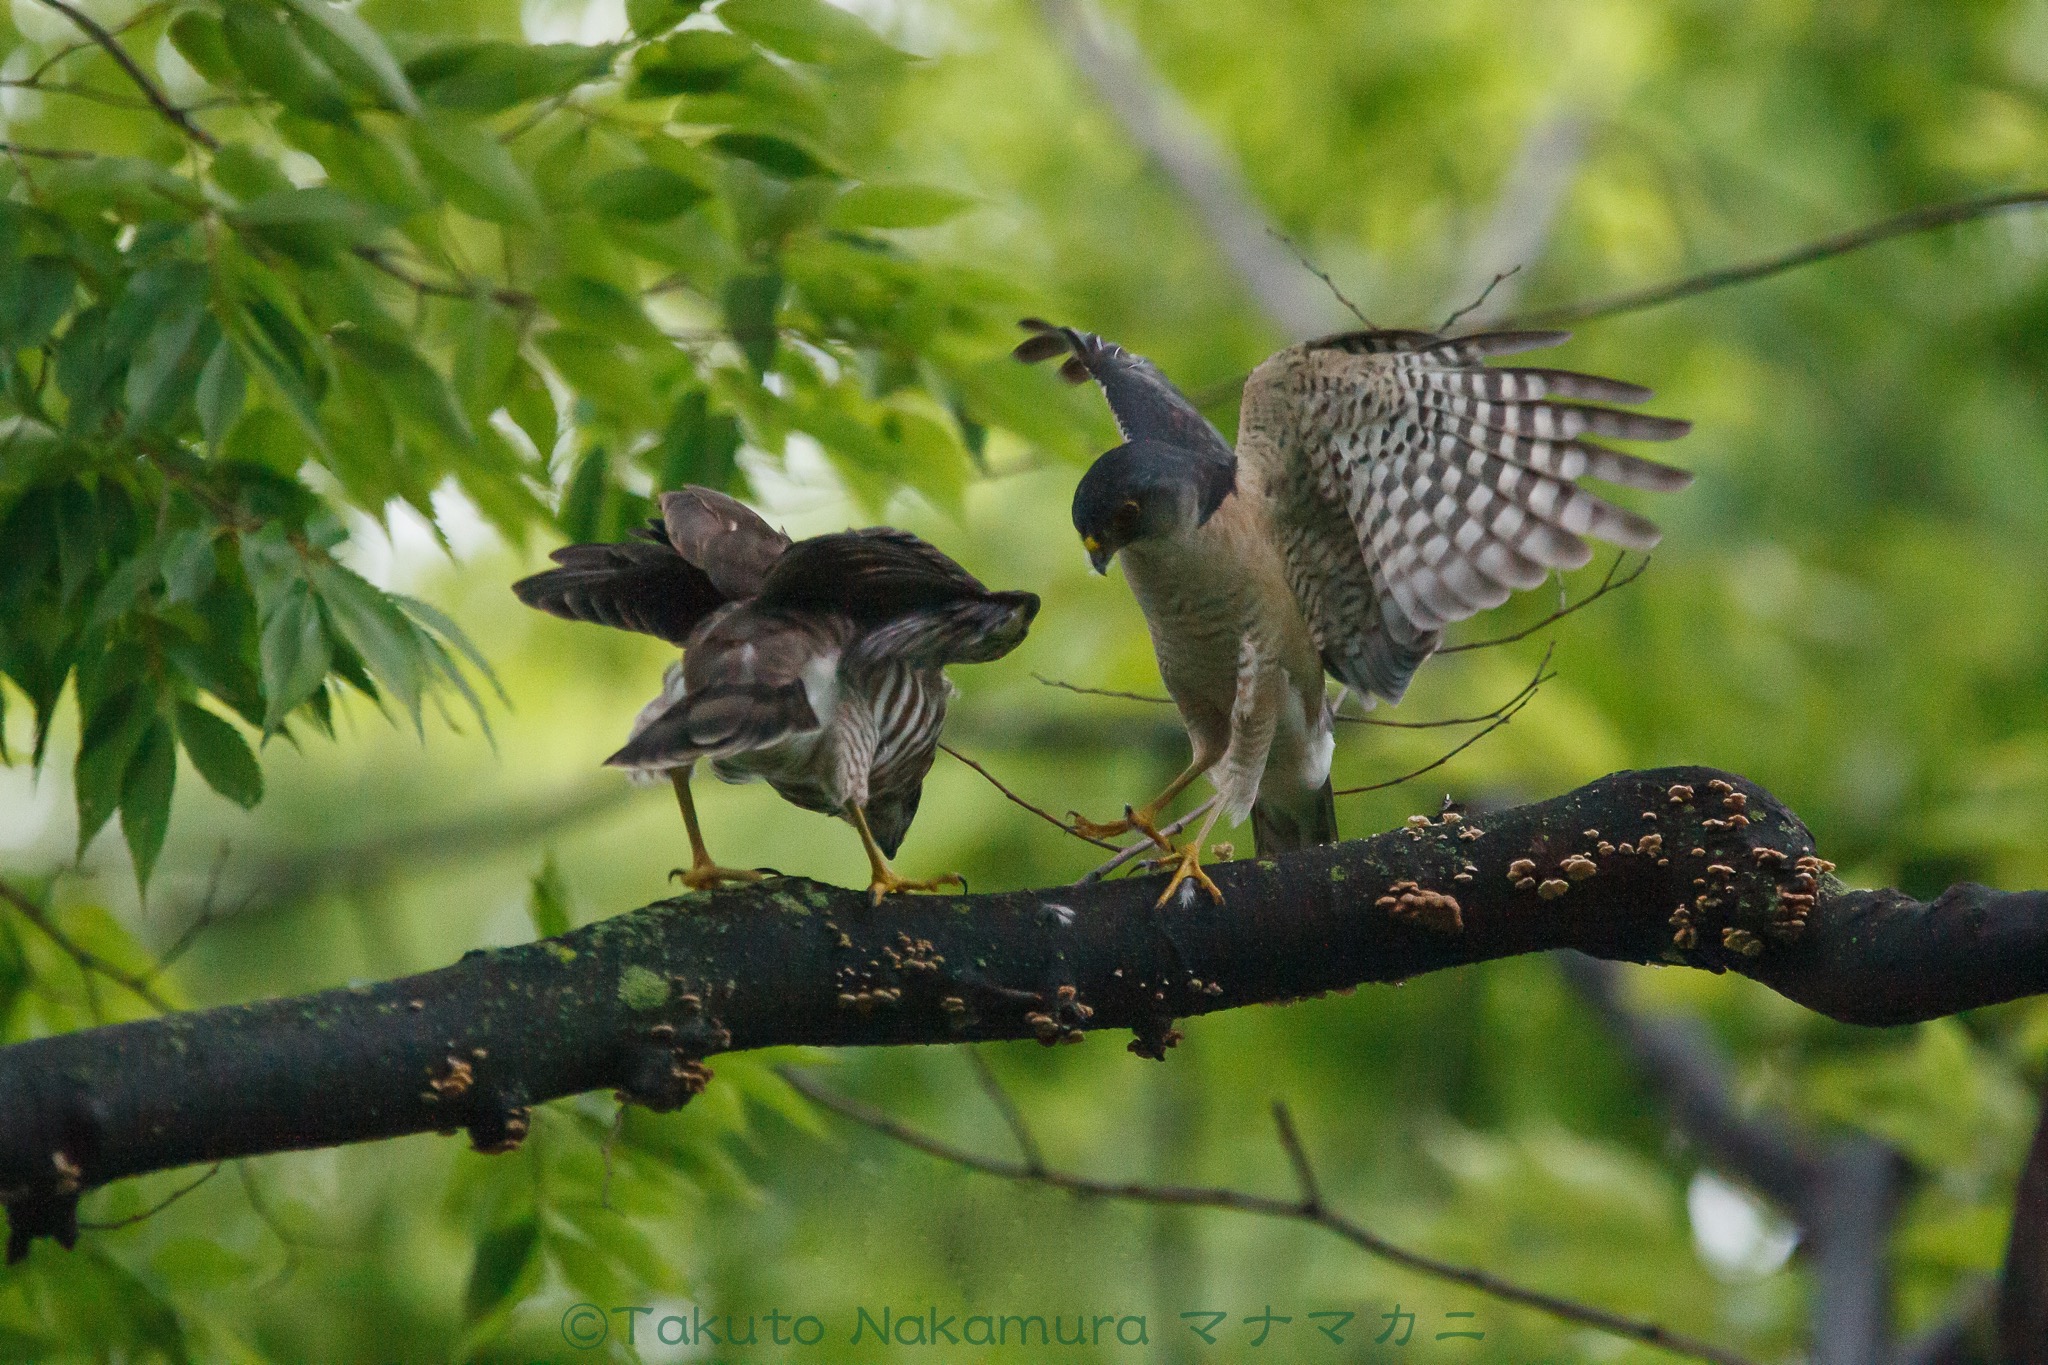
point(1187, 867)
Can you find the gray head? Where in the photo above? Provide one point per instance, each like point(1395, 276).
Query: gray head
point(1145, 490)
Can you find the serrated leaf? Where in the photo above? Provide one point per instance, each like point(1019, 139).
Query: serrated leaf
point(199, 39)
point(485, 76)
point(146, 798)
point(750, 304)
point(643, 194)
point(112, 731)
point(443, 625)
point(415, 389)
point(352, 49)
point(778, 155)
point(473, 171)
point(293, 653)
point(897, 206)
point(223, 388)
point(548, 901)
point(810, 31)
point(220, 755)
point(375, 628)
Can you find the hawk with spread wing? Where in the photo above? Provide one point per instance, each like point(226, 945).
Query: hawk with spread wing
point(1385, 484)
point(816, 666)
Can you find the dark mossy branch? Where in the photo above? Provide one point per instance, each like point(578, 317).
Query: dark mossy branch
point(1683, 865)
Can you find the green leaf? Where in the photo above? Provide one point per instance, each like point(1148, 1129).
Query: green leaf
point(484, 76)
point(779, 156)
point(375, 628)
point(750, 304)
point(311, 224)
point(416, 390)
point(354, 51)
point(199, 39)
point(897, 206)
point(505, 1263)
point(588, 305)
point(475, 173)
point(35, 294)
point(582, 513)
point(275, 59)
point(532, 407)
point(166, 366)
point(811, 31)
point(699, 446)
point(548, 903)
point(697, 61)
point(112, 731)
point(198, 1264)
point(220, 755)
point(294, 655)
point(649, 17)
point(223, 388)
point(188, 564)
point(643, 194)
point(146, 798)
point(443, 625)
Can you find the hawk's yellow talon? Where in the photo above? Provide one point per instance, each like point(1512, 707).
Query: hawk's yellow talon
point(888, 883)
point(1188, 860)
point(1139, 820)
point(709, 876)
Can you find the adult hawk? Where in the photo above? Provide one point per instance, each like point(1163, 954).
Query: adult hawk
point(815, 666)
point(1385, 484)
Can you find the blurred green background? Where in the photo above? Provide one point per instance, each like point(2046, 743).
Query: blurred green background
point(1849, 608)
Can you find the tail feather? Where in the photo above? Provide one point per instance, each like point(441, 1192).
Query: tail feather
point(1280, 830)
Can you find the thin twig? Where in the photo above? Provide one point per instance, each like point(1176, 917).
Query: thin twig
point(179, 119)
point(1900, 225)
point(1607, 585)
point(1312, 268)
point(88, 961)
point(1027, 1142)
point(1485, 1282)
point(1535, 681)
point(1101, 691)
point(173, 1197)
point(1297, 1156)
point(1496, 282)
point(1131, 851)
point(1015, 799)
point(419, 284)
point(1501, 720)
point(135, 20)
point(47, 153)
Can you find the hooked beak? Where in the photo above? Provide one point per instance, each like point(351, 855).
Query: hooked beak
point(1098, 557)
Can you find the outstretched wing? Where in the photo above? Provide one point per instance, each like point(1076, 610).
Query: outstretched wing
point(638, 585)
point(1146, 405)
point(1413, 486)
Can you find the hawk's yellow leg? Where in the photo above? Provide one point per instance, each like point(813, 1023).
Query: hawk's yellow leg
point(1187, 860)
point(702, 874)
point(882, 879)
point(1144, 818)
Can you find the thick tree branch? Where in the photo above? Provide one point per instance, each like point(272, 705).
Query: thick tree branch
point(1678, 865)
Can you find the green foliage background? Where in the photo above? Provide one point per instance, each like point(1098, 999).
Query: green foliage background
point(290, 399)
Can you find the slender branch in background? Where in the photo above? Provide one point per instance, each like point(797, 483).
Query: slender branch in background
point(1017, 800)
point(1308, 1210)
point(1536, 680)
point(1156, 119)
point(1518, 230)
point(1100, 691)
point(153, 1210)
point(177, 117)
point(89, 962)
point(1502, 719)
point(1607, 585)
point(46, 153)
point(1312, 268)
point(382, 260)
point(1923, 219)
point(1297, 1156)
point(1146, 845)
point(999, 1096)
point(135, 20)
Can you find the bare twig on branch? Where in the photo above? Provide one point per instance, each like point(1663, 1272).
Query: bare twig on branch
point(89, 962)
point(1065, 686)
point(154, 1209)
point(1518, 228)
point(1536, 680)
point(1017, 800)
point(1508, 714)
point(46, 153)
point(1500, 278)
point(999, 1096)
point(1312, 268)
point(1309, 1209)
point(1610, 583)
point(635, 1003)
point(1841, 244)
point(151, 91)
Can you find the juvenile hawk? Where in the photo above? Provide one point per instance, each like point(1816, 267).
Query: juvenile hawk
point(815, 666)
point(1385, 484)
